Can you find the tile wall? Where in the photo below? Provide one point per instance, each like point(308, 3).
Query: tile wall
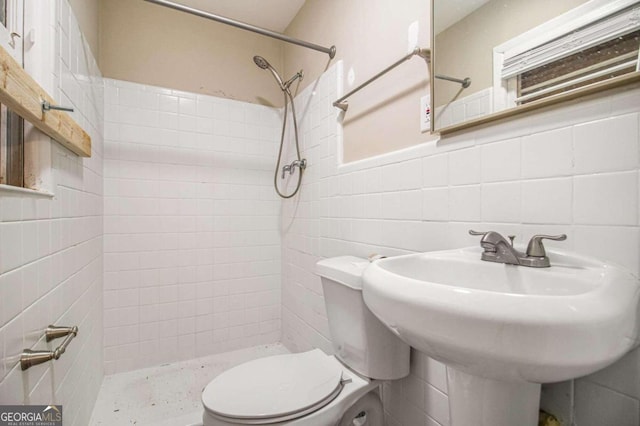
point(192, 242)
point(571, 169)
point(465, 108)
point(51, 248)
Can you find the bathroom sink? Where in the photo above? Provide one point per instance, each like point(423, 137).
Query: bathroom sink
point(500, 325)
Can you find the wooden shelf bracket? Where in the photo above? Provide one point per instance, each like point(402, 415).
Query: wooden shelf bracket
point(22, 94)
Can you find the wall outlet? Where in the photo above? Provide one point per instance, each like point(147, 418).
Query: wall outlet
point(425, 113)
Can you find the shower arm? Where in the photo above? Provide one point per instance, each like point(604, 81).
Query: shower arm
point(331, 51)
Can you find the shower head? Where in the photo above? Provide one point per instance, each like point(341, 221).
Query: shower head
point(284, 86)
point(261, 62)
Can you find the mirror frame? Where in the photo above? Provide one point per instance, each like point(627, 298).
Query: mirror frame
point(612, 83)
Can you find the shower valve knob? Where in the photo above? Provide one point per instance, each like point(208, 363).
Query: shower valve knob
point(285, 169)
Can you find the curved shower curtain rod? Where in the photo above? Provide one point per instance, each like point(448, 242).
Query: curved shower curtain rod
point(331, 51)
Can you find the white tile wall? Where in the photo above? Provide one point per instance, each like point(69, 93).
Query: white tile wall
point(192, 248)
point(51, 249)
point(465, 108)
point(571, 169)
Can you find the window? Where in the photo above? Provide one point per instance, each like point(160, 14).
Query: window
point(11, 148)
point(12, 158)
point(11, 17)
point(609, 59)
point(597, 41)
point(3, 13)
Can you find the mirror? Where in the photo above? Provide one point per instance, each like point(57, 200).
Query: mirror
point(495, 58)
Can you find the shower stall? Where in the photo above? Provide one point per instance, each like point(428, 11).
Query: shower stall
point(299, 163)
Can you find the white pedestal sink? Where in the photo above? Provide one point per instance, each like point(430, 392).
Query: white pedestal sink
point(502, 330)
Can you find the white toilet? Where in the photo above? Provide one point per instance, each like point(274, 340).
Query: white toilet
point(312, 388)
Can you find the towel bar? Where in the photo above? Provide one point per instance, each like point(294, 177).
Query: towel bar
point(30, 358)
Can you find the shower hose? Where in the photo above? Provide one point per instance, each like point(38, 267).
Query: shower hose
point(288, 99)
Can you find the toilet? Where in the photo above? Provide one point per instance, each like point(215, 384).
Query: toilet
point(312, 388)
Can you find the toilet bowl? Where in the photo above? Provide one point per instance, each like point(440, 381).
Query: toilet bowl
point(310, 389)
point(313, 388)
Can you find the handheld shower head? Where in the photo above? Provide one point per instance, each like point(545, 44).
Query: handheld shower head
point(261, 62)
point(284, 86)
point(301, 163)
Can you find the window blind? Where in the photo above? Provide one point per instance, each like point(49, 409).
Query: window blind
point(601, 31)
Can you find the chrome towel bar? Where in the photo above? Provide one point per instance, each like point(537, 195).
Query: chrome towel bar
point(423, 53)
point(30, 358)
point(464, 82)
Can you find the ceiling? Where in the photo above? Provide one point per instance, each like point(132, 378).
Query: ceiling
point(275, 15)
point(449, 12)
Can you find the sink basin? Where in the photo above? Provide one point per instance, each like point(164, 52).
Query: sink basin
point(503, 329)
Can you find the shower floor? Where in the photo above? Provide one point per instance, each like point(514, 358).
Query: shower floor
point(167, 395)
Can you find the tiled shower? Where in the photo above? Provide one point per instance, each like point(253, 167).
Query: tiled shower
point(192, 241)
point(169, 243)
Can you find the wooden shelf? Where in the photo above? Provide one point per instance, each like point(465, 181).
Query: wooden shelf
point(23, 95)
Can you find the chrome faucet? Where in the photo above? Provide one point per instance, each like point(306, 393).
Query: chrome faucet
point(301, 164)
point(498, 249)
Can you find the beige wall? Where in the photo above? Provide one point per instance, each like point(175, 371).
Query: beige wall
point(145, 43)
point(86, 12)
point(369, 36)
point(466, 48)
point(150, 44)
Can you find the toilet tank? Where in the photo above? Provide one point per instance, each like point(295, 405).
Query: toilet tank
point(359, 339)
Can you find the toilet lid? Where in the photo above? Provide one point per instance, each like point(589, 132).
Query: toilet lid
point(274, 388)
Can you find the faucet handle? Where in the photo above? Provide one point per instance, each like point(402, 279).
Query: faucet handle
point(535, 247)
point(487, 246)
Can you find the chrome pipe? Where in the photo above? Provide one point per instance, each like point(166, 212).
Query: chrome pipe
point(331, 51)
point(423, 53)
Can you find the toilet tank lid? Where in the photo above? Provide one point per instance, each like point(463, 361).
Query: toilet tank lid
point(345, 270)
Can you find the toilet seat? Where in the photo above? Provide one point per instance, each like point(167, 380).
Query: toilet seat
point(274, 389)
